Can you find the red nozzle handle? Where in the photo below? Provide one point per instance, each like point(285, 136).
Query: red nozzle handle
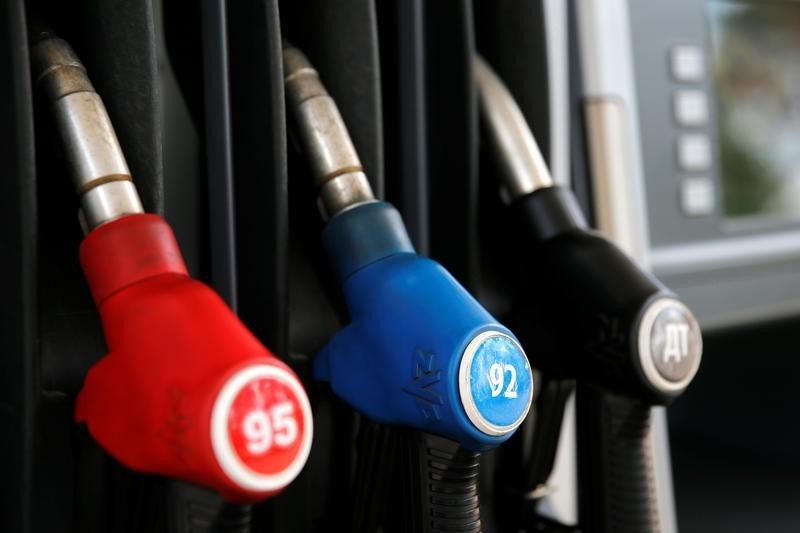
point(186, 390)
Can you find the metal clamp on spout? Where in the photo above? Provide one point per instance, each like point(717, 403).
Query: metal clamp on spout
point(333, 158)
point(99, 171)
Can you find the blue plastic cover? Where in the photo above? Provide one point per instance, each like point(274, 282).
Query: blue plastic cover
point(399, 361)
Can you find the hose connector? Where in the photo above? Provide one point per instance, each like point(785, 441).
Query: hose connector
point(334, 162)
point(100, 174)
point(523, 167)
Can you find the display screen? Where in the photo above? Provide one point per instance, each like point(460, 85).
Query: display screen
point(755, 57)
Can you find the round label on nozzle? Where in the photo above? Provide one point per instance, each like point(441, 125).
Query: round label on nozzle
point(495, 383)
point(261, 428)
point(670, 345)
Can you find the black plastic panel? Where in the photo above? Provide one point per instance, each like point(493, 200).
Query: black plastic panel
point(402, 31)
point(18, 306)
point(452, 137)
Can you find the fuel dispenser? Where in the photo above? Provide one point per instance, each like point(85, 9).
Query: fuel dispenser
point(419, 350)
point(186, 390)
point(626, 339)
point(189, 423)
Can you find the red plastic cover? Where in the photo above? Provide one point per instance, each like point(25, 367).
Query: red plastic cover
point(186, 390)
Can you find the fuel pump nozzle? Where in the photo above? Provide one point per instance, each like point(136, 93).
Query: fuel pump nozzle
point(628, 341)
point(419, 350)
point(185, 391)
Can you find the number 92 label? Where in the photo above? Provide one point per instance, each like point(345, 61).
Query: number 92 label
point(495, 383)
point(261, 428)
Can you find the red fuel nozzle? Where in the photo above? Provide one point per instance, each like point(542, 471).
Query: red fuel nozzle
point(186, 390)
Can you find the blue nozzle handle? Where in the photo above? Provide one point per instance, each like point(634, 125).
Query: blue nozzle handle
point(420, 351)
point(362, 235)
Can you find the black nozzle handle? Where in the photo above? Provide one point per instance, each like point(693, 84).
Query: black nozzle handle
point(376, 449)
point(193, 509)
point(438, 487)
point(613, 323)
point(617, 493)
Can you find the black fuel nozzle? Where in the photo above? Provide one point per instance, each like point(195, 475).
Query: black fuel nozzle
point(597, 317)
point(614, 324)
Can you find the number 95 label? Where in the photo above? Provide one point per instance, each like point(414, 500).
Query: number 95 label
point(495, 383)
point(266, 431)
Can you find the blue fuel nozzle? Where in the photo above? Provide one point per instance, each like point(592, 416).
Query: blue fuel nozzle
point(419, 351)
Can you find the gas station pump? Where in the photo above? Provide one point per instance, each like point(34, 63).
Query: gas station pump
point(186, 391)
point(627, 340)
point(476, 241)
point(419, 351)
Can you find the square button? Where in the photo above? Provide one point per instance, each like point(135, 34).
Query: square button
point(687, 63)
point(697, 197)
point(694, 152)
point(691, 108)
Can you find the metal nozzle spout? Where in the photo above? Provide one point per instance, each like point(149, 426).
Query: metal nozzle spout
point(524, 169)
point(334, 162)
point(99, 171)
